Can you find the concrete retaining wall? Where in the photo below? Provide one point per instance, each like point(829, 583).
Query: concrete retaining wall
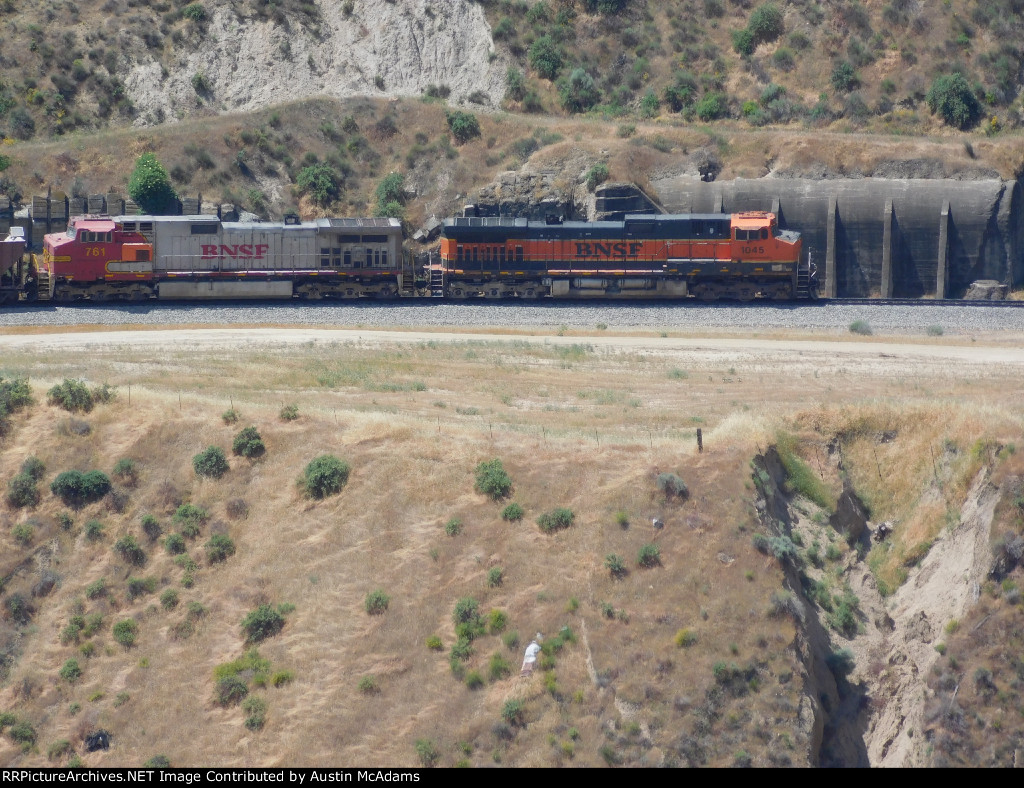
point(873, 236)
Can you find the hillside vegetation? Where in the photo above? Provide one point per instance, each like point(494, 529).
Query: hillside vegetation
point(673, 78)
point(314, 555)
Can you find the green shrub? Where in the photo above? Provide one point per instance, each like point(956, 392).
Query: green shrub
point(844, 77)
point(219, 548)
point(512, 712)
point(70, 671)
point(104, 394)
point(230, 690)
point(289, 413)
point(556, 520)
point(248, 444)
point(96, 589)
point(453, 527)
point(169, 599)
point(495, 577)
point(174, 544)
point(597, 175)
point(256, 713)
point(474, 680)
point(127, 471)
point(649, 555)
point(230, 416)
point(860, 327)
point(14, 395)
point(497, 620)
point(512, 512)
point(712, 106)
point(23, 733)
point(615, 564)
point(579, 92)
point(76, 489)
point(951, 97)
point(59, 749)
point(65, 521)
point(210, 463)
point(686, 637)
point(498, 668)
point(492, 480)
point(125, 632)
point(377, 602)
point(128, 548)
point(390, 192)
point(22, 533)
point(33, 467)
point(194, 11)
point(466, 611)
point(671, 484)
point(262, 623)
point(151, 527)
point(190, 519)
point(71, 395)
point(325, 475)
point(22, 491)
point(545, 57)
point(434, 643)
point(282, 677)
point(19, 609)
point(622, 519)
point(515, 84)
point(427, 752)
point(7, 719)
point(137, 586)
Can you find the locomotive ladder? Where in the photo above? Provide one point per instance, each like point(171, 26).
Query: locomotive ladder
point(436, 277)
point(43, 291)
point(803, 280)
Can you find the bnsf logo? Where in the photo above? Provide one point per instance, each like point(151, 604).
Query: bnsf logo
point(255, 252)
point(621, 249)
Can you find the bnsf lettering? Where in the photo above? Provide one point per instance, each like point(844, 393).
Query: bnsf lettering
point(257, 252)
point(596, 249)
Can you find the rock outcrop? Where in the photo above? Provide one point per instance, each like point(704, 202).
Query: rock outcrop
point(379, 48)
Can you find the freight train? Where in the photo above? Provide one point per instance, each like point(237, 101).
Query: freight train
point(135, 258)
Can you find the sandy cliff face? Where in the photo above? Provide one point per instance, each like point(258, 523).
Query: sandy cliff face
point(381, 48)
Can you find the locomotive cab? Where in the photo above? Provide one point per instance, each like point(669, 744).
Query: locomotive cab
point(757, 236)
point(95, 259)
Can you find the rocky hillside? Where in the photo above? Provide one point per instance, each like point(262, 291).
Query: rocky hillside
point(675, 76)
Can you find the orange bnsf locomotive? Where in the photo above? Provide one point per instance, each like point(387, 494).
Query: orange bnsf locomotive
point(709, 256)
point(200, 257)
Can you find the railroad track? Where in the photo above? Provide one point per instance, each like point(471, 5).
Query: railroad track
point(918, 302)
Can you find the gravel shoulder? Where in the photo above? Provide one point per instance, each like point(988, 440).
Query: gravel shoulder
point(920, 320)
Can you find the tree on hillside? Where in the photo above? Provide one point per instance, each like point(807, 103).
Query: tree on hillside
point(952, 98)
point(391, 195)
point(320, 182)
point(545, 57)
point(150, 186)
point(464, 125)
point(579, 92)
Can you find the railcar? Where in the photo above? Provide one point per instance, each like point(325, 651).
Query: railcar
point(13, 268)
point(709, 256)
point(200, 257)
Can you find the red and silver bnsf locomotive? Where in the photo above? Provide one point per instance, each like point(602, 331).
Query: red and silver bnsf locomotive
point(200, 257)
point(710, 256)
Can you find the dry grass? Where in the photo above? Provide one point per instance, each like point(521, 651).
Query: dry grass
point(575, 426)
